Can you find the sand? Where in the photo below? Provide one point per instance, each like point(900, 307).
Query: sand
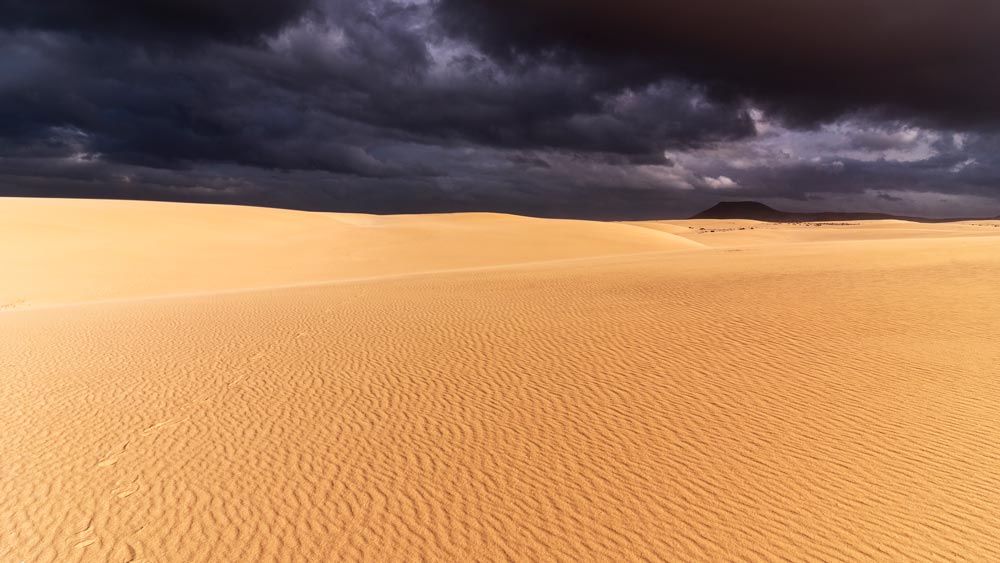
point(67, 251)
point(181, 383)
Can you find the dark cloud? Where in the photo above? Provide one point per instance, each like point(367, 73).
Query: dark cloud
point(154, 20)
point(541, 108)
point(932, 60)
point(324, 94)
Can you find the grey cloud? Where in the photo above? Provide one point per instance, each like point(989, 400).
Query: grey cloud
point(386, 106)
point(932, 61)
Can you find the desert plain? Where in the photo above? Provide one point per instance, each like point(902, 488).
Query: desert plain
point(203, 383)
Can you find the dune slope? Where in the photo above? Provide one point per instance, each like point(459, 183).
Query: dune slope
point(824, 401)
point(63, 251)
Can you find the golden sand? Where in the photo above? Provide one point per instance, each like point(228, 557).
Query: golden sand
point(481, 387)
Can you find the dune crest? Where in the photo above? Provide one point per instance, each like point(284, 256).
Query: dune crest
point(63, 251)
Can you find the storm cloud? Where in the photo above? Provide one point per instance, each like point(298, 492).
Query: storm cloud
point(150, 21)
point(930, 60)
point(608, 110)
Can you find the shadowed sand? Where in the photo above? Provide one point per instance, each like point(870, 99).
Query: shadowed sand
point(543, 391)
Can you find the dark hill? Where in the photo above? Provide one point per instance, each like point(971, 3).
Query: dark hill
point(760, 212)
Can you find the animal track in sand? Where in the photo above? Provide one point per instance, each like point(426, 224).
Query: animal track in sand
point(84, 538)
point(127, 490)
point(85, 543)
point(162, 425)
point(112, 457)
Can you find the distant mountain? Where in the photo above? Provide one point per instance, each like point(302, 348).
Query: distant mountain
point(760, 212)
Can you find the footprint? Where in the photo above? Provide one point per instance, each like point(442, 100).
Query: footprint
point(108, 461)
point(83, 539)
point(126, 491)
point(112, 457)
point(89, 529)
point(160, 425)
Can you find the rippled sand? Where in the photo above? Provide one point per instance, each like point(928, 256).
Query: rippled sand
point(493, 388)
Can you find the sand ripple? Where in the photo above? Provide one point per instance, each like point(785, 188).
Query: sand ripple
point(800, 403)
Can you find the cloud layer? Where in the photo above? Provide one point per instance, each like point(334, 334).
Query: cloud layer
point(155, 21)
point(648, 109)
point(810, 61)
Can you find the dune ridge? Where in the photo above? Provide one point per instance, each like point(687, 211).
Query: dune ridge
point(62, 251)
point(801, 397)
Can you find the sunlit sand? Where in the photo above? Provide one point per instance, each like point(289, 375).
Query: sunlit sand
point(188, 383)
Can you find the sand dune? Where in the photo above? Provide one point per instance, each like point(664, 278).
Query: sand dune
point(62, 251)
point(829, 397)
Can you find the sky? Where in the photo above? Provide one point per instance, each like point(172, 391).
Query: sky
point(632, 109)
